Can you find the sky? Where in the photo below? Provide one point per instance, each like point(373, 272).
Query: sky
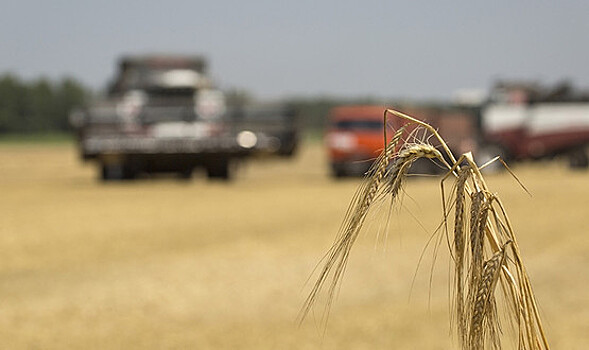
point(276, 49)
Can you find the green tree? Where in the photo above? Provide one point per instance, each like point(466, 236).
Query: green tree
point(38, 106)
point(12, 94)
point(69, 94)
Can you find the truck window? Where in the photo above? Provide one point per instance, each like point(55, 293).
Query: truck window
point(367, 125)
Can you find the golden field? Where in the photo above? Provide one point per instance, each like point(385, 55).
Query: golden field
point(168, 264)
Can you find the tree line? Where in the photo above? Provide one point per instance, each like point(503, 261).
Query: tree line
point(39, 105)
point(43, 105)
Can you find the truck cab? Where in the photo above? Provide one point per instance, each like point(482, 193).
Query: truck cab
point(354, 138)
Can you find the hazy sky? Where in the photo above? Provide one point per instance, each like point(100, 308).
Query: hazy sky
point(410, 49)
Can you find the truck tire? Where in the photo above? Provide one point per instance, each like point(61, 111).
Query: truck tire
point(219, 170)
point(110, 172)
point(114, 172)
point(288, 150)
point(339, 171)
point(185, 174)
point(578, 159)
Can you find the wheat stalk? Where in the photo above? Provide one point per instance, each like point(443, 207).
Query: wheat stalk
point(481, 260)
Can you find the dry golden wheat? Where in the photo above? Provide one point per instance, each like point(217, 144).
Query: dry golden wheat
point(478, 218)
point(459, 245)
point(483, 304)
point(403, 162)
point(338, 255)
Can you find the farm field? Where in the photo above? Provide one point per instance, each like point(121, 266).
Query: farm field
point(168, 264)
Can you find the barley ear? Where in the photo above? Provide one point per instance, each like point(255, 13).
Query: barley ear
point(459, 249)
point(483, 323)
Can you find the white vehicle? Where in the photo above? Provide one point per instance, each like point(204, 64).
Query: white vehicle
point(161, 115)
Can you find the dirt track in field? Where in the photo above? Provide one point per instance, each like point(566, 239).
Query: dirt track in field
point(166, 264)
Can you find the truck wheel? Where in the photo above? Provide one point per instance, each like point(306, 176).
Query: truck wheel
point(110, 172)
point(578, 159)
point(338, 171)
point(219, 170)
point(185, 174)
point(287, 151)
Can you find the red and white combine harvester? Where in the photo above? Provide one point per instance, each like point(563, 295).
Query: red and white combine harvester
point(524, 121)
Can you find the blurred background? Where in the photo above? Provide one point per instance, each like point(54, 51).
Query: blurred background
point(171, 174)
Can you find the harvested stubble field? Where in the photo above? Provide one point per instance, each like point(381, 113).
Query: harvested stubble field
point(166, 264)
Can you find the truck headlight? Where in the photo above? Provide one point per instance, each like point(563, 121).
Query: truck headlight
point(342, 141)
point(247, 139)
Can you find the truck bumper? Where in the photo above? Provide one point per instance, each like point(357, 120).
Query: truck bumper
point(93, 147)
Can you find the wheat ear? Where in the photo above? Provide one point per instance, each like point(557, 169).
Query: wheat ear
point(483, 320)
point(459, 248)
point(337, 256)
point(403, 163)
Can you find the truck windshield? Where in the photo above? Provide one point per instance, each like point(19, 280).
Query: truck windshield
point(170, 92)
point(372, 125)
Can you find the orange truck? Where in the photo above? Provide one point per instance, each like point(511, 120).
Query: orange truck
point(355, 135)
point(354, 138)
